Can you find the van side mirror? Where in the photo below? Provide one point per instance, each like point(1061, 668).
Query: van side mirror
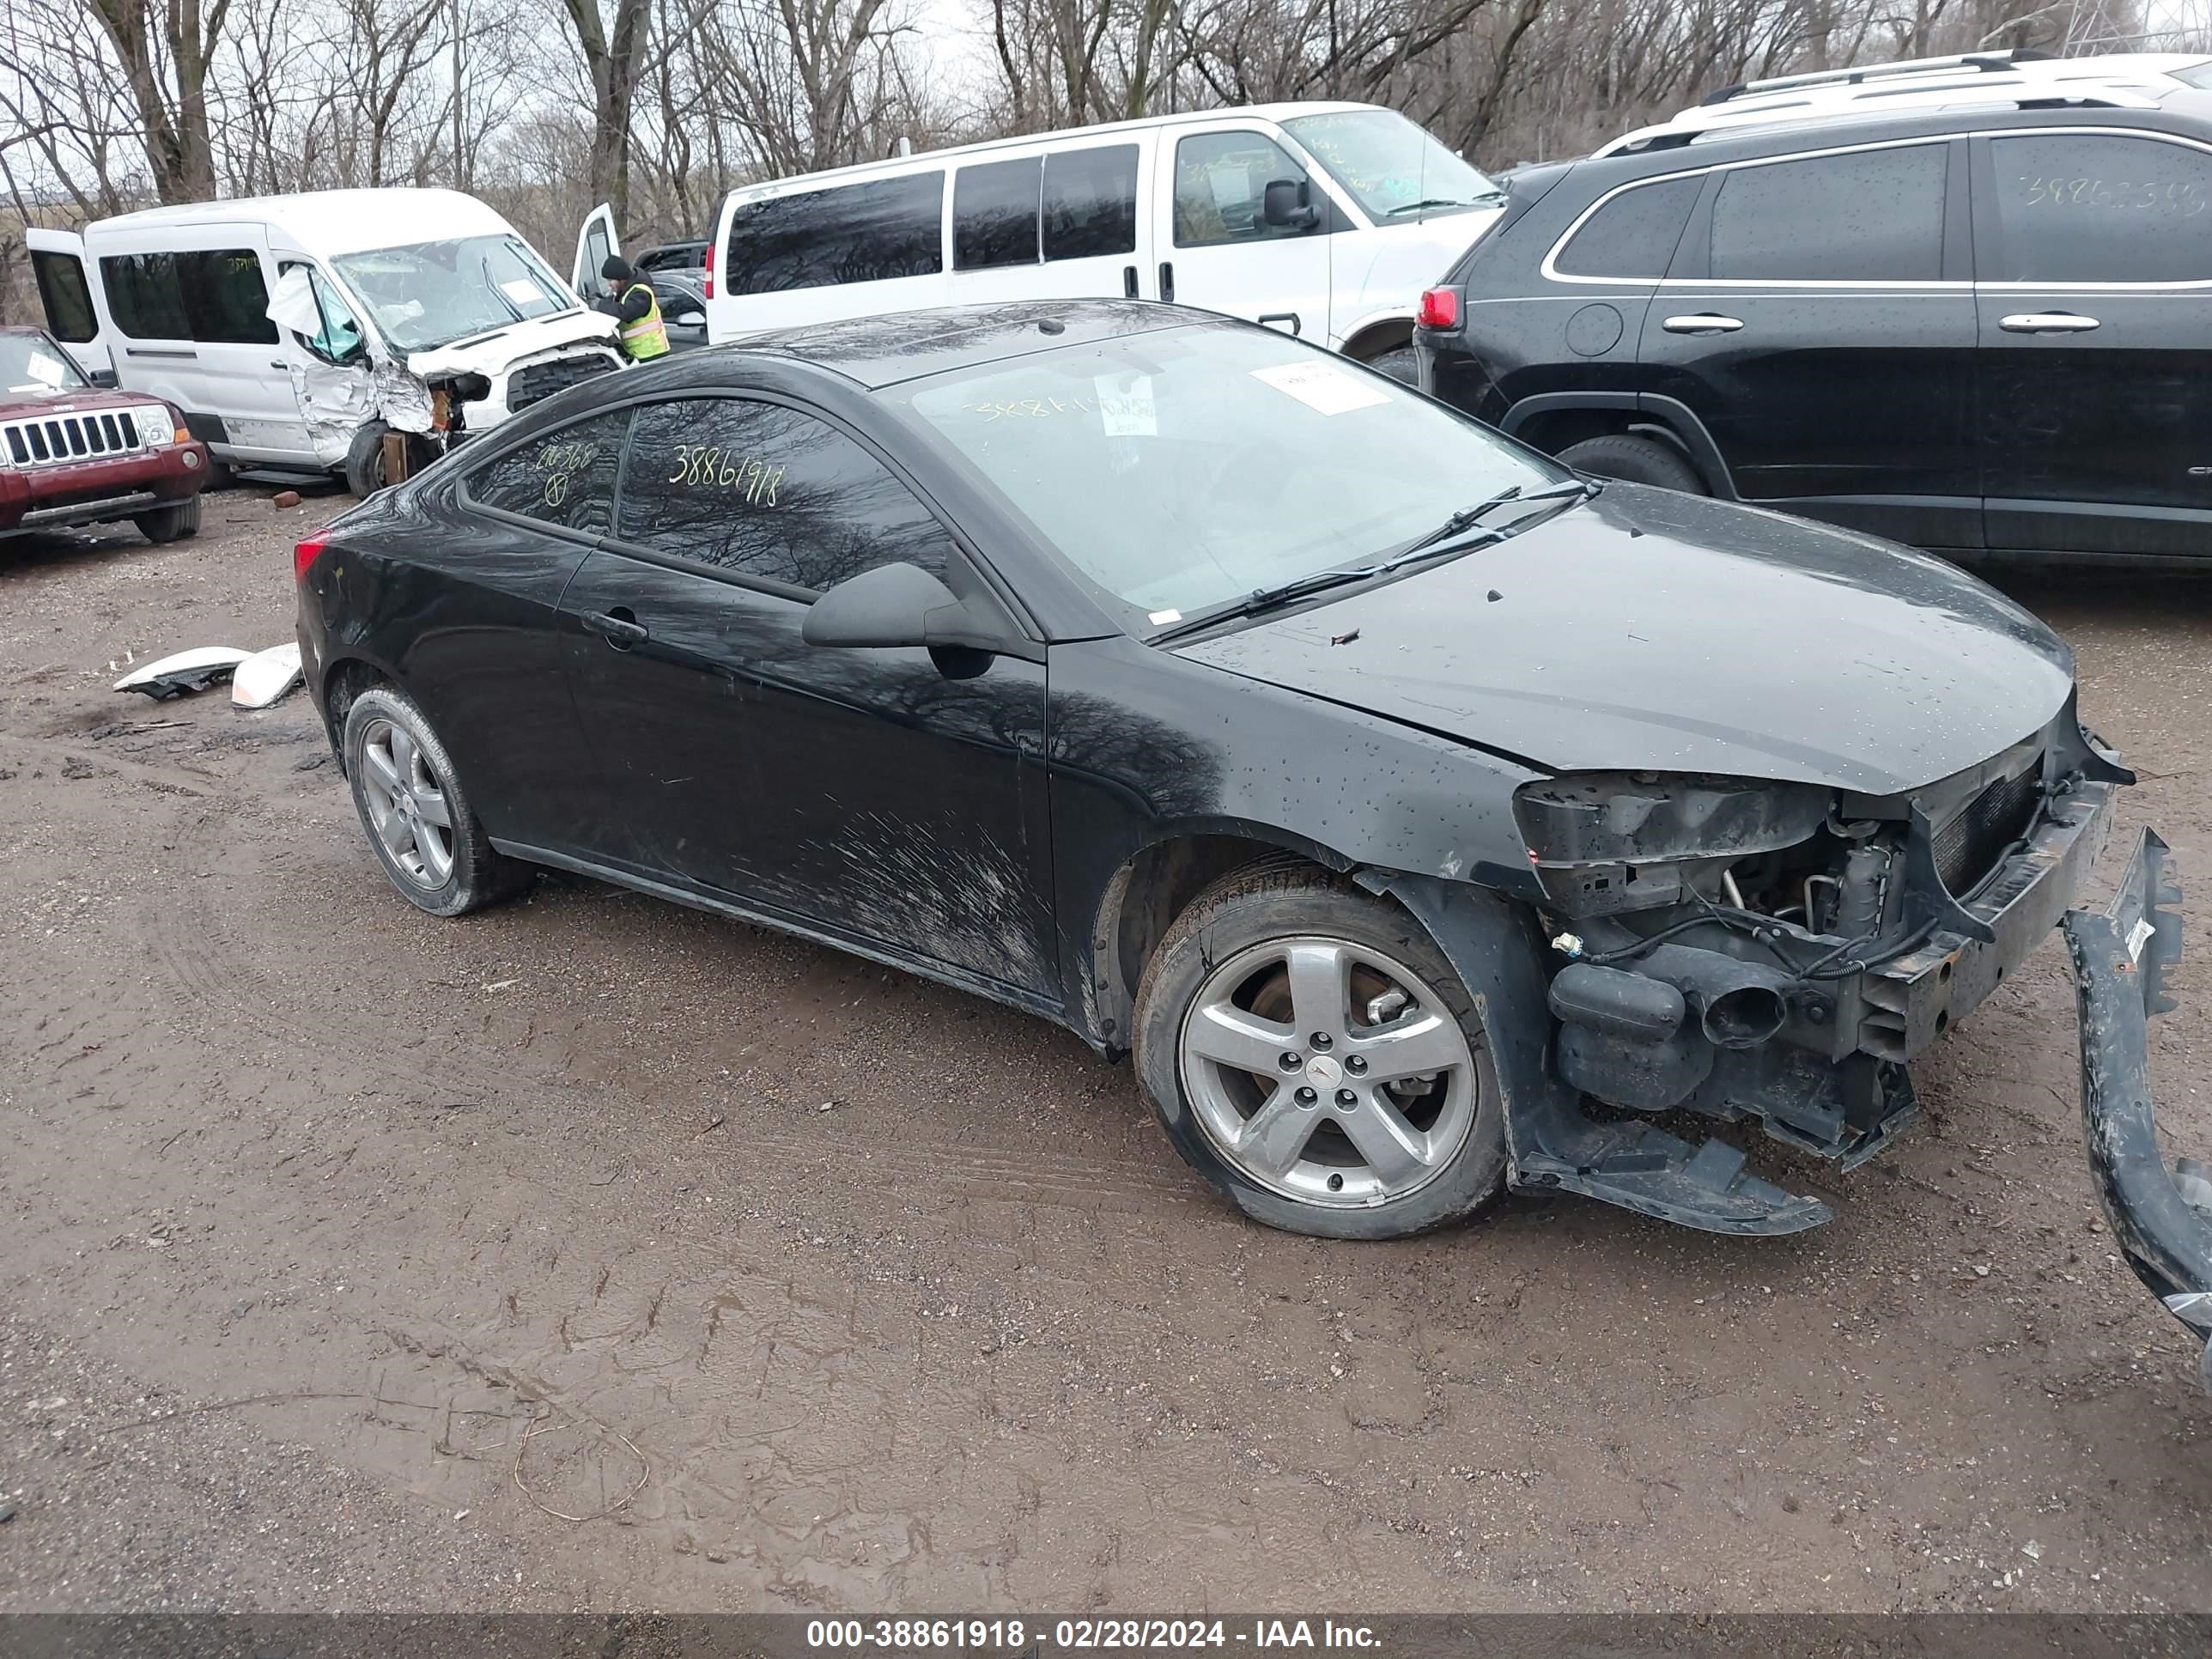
point(1284, 205)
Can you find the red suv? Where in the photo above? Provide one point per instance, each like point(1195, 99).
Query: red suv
point(73, 454)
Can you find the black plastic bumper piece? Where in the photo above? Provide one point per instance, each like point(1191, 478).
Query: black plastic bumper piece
point(1552, 1144)
point(2121, 957)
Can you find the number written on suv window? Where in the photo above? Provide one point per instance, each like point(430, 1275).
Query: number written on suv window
point(2092, 208)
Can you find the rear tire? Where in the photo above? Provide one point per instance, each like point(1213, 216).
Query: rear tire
point(170, 524)
point(1633, 459)
point(419, 824)
point(1402, 1129)
point(1403, 365)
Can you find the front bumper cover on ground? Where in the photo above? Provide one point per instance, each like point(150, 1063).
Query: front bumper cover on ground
point(2122, 955)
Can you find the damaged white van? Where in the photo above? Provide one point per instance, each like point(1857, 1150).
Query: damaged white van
point(295, 331)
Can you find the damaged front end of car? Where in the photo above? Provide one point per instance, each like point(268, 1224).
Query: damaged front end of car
point(1760, 953)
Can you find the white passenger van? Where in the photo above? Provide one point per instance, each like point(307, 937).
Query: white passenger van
point(1323, 220)
point(294, 331)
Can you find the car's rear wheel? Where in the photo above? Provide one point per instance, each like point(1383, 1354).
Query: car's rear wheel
point(1633, 459)
point(1399, 365)
point(419, 822)
point(1311, 1051)
point(170, 524)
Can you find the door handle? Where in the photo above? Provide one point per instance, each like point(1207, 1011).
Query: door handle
point(620, 629)
point(279, 363)
point(1128, 282)
point(1705, 322)
point(1289, 316)
point(1167, 281)
point(2047, 322)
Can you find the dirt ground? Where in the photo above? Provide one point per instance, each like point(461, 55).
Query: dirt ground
point(344, 1252)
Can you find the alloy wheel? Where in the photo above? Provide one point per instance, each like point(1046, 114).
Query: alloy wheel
point(408, 807)
point(1326, 1072)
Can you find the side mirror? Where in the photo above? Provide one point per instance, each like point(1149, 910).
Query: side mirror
point(893, 604)
point(1284, 205)
point(105, 379)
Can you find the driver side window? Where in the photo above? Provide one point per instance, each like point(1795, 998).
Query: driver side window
point(1221, 188)
point(341, 338)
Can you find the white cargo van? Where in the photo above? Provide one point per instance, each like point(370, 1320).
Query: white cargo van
point(1324, 220)
point(295, 331)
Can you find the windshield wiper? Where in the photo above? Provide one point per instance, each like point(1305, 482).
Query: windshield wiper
point(1468, 517)
point(1453, 530)
point(513, 309)
point(1428, 202)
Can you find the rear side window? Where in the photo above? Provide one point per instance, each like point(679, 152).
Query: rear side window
point(995, 215)
point(63, 293)
point(769, 492)
point(1632, 236)
point(1091, 201)
point(564, 477)
point(863, 232)
point(1870, 216)
point(2086, 208)
point(214, 296)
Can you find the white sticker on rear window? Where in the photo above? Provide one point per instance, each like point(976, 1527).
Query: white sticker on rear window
point(1323, 387)
point(1125, 406)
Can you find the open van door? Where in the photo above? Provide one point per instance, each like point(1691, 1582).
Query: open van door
point(65, 290)
point(594, 243)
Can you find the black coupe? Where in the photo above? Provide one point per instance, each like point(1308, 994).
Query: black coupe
point(1424, 817)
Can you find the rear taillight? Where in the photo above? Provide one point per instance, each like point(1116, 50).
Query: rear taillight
point(710, 270)
point(1439, 308)
point(305, 554)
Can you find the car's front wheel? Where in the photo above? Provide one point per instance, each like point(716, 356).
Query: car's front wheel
point(171, 524)
point(420, 824)
point(1311, 1051)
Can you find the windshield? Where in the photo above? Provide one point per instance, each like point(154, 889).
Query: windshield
point(432, 293)
point(1180, 469)
point(32, 363)
point(1395, 169)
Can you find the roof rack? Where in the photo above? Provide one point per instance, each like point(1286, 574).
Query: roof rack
point(1987, 62)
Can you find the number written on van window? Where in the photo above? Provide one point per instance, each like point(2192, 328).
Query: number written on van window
point(2179, 197)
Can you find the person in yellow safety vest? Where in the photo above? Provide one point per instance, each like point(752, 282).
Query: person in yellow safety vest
point(630, 301)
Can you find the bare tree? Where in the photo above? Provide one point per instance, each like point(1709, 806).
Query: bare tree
point(165, 53)
point(612, 57)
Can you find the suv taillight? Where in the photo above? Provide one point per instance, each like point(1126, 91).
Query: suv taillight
point(1439, 308)
point(305, 554)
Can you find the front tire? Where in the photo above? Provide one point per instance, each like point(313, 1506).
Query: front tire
point(419, 824)
point(1309, 1050)
point(1633, 459)
point(170, 524)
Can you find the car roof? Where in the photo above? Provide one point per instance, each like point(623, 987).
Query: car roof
point(927, 161)
point(907, 345)
point(330, 221)
point(2184, 111)
point(1973, 84)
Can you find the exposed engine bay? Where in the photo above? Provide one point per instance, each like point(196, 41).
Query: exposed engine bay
point(1779, 951)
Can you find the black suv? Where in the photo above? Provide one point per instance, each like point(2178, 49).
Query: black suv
point(1973, 329)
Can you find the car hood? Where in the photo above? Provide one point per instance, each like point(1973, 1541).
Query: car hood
point(489, 354)
point(1649, 631)
point(67, 400)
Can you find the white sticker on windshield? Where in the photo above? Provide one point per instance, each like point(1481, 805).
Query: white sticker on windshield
point(521, 290)
point(46, 370)
point(1323, 387)
point(1162, 618)
point(1125, 406)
